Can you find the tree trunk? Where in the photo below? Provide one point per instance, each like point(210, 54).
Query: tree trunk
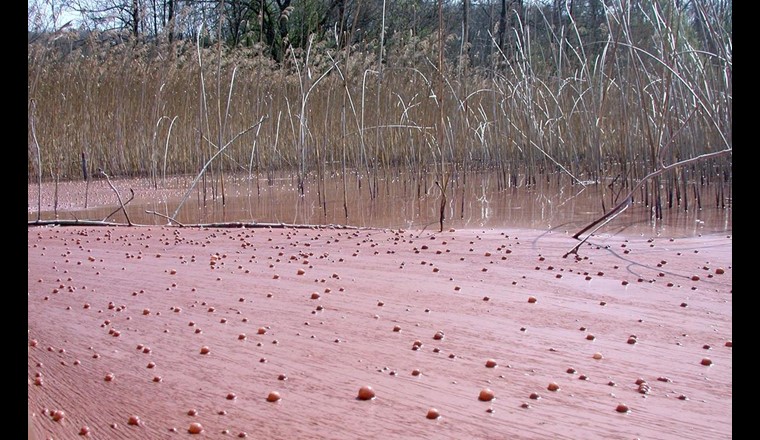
point(502, 23)
point(170, 4)
point(135, 18)
point(466, 29)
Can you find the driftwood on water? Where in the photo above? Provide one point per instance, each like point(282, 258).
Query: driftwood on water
point(627, 200)
point(77, 222)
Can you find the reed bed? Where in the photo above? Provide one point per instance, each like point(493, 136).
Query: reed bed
point(646, 94)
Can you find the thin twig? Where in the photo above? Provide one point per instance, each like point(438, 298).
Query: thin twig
point(164, 216)
point(118, 196)
point(575, 248)
point(125, 204)
point(208, 162)
point(662, 170)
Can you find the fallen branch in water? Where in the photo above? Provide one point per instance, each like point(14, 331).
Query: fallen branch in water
point(606, 218)
point(118, 196)
point(77, 222)
point(208, 162)
point(132, 197)
point(171, 220)
point(575, 248)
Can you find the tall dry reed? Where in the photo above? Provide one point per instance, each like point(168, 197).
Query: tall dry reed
point(609, 112)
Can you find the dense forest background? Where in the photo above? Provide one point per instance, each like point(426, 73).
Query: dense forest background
point(585, 92)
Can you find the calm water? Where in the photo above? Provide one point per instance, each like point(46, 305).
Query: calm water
point(400, 203)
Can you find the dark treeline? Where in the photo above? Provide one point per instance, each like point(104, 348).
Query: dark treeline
point(490, 28)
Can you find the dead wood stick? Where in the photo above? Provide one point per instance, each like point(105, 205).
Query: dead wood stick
point(166, 217)
point(125, 204)
point(251, 225)
point(575, 248)
point(205, 166)
point(118, 196)
point(646, 178)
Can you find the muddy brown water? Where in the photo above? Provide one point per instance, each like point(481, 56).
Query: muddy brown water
point(400, 203)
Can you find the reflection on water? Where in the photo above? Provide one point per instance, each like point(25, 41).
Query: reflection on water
point(400, 203)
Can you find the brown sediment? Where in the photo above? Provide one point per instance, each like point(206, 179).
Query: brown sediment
point(642, 332)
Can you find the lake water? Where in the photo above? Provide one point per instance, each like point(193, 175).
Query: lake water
point(401, 203)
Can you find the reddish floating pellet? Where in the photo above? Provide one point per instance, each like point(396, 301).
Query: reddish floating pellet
point(273, 396)
point(622, 408)
point(134, 421)
point(205, 350)
point(553, 386)
point(195, 428)
point(433, 413)
point(366, 393)
point(490, 363)
point(486, 395)
point(706, 362)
